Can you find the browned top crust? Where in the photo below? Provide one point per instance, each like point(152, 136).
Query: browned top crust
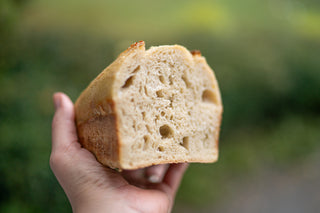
point(134, 46)
point(195, 52)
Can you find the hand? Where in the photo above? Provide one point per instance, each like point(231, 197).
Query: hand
point(92, 187)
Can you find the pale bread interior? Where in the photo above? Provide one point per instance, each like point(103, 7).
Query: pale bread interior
point(168, 108)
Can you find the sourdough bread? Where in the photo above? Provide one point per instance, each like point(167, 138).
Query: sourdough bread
point(151, 107)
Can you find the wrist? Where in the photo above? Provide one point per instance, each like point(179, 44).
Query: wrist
point(98, 203)
point(102, 207)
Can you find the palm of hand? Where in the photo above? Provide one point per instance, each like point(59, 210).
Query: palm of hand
point(91, 187)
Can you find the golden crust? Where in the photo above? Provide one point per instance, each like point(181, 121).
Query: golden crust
point(96, 120)
point(94, 132)
point(134, 46)
point(195, 52)
point(161, 161)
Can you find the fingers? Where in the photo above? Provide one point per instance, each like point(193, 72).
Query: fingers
point(174, 175)
point(134, 177)
point(155, 173)
point(63, 127)
point(152, 174)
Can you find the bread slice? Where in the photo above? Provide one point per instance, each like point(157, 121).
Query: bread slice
point(151, 107)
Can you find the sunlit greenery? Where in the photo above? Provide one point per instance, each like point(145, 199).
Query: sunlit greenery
point(265, 55)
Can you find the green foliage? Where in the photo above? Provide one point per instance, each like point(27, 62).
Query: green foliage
point(267, 67)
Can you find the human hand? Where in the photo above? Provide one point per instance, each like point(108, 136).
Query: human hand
point(92, 187)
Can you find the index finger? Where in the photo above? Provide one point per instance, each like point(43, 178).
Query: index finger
point(174, 175)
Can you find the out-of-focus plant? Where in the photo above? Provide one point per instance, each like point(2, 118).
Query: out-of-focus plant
point(265, 54)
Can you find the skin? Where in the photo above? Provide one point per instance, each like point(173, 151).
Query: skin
point(92, 187)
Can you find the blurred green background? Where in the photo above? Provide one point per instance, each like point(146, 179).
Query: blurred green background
point(266, 56)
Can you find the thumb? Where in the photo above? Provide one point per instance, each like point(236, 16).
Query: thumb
point(63, 127)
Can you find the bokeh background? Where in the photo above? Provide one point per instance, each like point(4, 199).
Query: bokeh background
point(266, 56)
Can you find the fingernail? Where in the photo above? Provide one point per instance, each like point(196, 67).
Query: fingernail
point(154, 179)
point(56, 100)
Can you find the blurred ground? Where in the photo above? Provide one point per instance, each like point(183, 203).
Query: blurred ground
point(287, 190)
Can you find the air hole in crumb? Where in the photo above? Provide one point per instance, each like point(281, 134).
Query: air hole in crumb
point(205, 141)
point(132, 99)
point(161, 78)
point(171, 100)
point(134, 124)
point(206, 137)
point(136, 69)
point(189, 113)
point(165, 131)
point(171, 117)
point(170, 79)
point(148, 128)
point(209, 96)
point(128, 82)
point(143, 115)
point(145, 90)
point(185, 142)
point(162, 113)
point(159, 93)
point(186, 81)
point(146, 140)
point(160, 149)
